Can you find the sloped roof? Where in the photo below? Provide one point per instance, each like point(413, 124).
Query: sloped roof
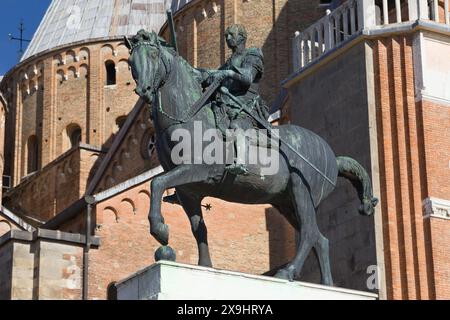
point(24, 223)
point(68, 21)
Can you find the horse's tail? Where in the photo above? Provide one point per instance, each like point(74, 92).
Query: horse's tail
point(353, 171)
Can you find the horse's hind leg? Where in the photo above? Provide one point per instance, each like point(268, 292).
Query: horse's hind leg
point(309, 232)
point(193, 208)
point(323, 255)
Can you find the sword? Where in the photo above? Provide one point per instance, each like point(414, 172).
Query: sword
point(173, 33)
point(225, 91)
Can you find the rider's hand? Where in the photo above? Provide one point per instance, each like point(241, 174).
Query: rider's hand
point(219, 76)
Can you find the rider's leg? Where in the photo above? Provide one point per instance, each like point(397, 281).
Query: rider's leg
point(240, 148)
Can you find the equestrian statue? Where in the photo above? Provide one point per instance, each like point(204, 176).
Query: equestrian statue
point(182, 97)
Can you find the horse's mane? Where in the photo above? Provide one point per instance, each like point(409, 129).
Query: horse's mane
point(183, 61)
point(145, 36)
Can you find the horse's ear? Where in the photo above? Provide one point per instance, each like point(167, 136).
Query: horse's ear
point(154, 38)
point(127, 43)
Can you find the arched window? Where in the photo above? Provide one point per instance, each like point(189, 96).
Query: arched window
point(111, 291)
point(32, 154)
point(110, 73)
point(120, 121)
point(73, 137)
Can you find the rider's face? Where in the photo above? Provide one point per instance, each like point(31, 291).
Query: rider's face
point(233, 38)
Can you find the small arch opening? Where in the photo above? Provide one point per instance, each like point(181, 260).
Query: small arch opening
point(111, 291)
point(120, 121)
point(73, 136)
point(110, 73)
point(32, 154)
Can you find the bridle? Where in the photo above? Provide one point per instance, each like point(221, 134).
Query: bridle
point(158, 80)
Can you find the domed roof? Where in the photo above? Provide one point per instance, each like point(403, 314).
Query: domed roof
point(68, 21)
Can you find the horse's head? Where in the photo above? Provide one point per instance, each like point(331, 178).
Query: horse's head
point(145, 62)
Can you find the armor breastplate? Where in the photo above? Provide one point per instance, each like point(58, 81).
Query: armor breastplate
point(234, 86)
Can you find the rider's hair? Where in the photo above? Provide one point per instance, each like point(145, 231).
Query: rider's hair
point(240, 28)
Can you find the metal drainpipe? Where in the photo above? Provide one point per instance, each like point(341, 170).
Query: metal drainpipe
point(90, 202)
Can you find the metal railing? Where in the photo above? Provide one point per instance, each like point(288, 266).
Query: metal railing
point(354, 16)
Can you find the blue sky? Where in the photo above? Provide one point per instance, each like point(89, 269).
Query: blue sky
point(32, 12)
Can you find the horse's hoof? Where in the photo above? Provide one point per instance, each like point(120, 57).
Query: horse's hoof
point(165, 253)
point(284, 275)
point(161, 233)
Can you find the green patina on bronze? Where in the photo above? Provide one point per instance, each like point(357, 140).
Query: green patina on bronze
point(182, 96)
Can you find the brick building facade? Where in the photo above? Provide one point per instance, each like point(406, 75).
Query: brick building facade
point(75, 129)
point(377, 70)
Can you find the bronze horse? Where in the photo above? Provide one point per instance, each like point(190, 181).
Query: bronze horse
point(167, 82)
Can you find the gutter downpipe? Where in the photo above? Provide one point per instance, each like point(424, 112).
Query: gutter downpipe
point(90, 203)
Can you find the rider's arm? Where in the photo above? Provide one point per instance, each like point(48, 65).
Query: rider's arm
point(250, 70)
point(245, 75)
point(202, 75)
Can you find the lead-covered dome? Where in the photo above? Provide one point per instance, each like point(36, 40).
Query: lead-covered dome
point(69, 21)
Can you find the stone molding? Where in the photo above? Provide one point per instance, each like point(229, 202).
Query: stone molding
point(436, 208)
point(19, 235)
point(175, 281)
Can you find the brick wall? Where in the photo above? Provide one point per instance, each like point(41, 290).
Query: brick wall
point(412, 150)
point(58, 90)
point(252, 239)
point(133, 156)
point(413, 145)
point(436, 146)
point(440, 233)
point(58, 185)
point(332, 101)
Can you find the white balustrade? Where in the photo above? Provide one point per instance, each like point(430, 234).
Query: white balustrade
point(352, 17)
point(435, 10)
point(398, 10)
point(446, 12)
point(438, 6)
point(385, 12)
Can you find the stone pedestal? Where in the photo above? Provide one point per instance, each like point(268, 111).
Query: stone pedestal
point(174, 281)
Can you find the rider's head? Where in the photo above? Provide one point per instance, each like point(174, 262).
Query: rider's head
point(236, 35)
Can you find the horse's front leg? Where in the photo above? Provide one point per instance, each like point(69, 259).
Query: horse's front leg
point(181, 175)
